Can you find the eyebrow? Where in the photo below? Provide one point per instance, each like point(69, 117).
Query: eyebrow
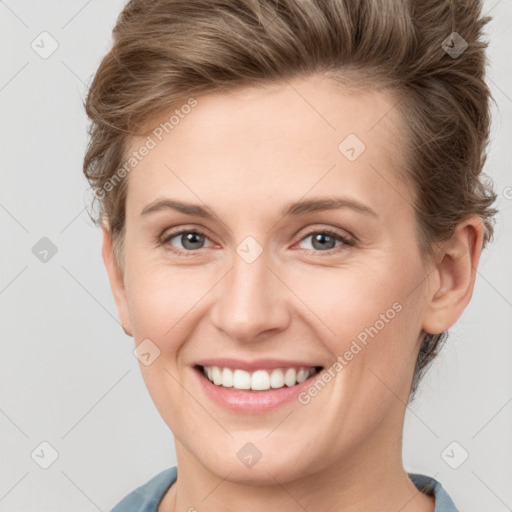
point(292, 209)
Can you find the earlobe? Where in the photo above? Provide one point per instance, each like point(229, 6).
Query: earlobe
point(126, 331)
point(116, 278)
point(452, 280)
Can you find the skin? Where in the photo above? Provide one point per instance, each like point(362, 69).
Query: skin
point(245, 155)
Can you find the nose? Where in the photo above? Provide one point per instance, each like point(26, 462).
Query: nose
point(252, 302)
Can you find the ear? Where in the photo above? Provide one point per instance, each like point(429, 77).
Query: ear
point(116, 278)
point(452, 279)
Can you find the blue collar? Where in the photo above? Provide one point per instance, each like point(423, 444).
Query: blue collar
point(147, 497)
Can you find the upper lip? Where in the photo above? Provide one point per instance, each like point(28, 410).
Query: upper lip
point(257, 364)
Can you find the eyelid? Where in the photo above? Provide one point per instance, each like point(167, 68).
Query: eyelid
point(319, 228)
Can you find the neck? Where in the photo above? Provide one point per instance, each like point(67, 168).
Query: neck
point(369, 478)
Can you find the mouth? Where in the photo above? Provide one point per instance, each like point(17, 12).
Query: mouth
point(259, 380)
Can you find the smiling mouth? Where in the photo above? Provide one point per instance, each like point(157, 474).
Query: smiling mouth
point(258, 380)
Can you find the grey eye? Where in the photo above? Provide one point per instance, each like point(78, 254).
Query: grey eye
point(323, 241)
point(190, 240)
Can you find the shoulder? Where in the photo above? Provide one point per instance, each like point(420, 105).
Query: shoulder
point(147, 497)
point(432, 487)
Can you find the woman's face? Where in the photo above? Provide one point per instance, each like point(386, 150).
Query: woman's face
point(271, 284)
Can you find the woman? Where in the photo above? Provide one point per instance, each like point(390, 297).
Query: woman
point(293, 214)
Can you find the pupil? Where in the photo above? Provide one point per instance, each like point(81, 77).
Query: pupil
point(190, 238)
point(320, 237)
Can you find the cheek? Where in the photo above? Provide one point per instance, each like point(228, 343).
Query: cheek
point(164, 300)
point(346, 301)
point(368, 316)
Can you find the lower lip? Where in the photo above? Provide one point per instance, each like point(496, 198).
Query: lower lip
point(238, 400)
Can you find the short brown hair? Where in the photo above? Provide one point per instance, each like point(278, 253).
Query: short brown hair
point(165, 51)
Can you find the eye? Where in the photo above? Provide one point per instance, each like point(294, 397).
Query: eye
point(190, 240)
point(325, 240)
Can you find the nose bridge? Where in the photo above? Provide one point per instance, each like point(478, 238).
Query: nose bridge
point(251, 299)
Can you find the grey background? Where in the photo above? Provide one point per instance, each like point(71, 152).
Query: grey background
point(67, 372)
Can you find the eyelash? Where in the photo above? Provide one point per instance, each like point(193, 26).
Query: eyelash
point(346, 242)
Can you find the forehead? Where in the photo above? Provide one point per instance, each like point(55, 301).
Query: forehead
point(279, 142)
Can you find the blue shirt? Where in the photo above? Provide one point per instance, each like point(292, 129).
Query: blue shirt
point(147, 497)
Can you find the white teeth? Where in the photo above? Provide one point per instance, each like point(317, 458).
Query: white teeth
point(241, 380)
point(302, 375)
point(217, 376)
point(276, 378)
point(259, 380)
point(227, 377)
point(290, 377)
